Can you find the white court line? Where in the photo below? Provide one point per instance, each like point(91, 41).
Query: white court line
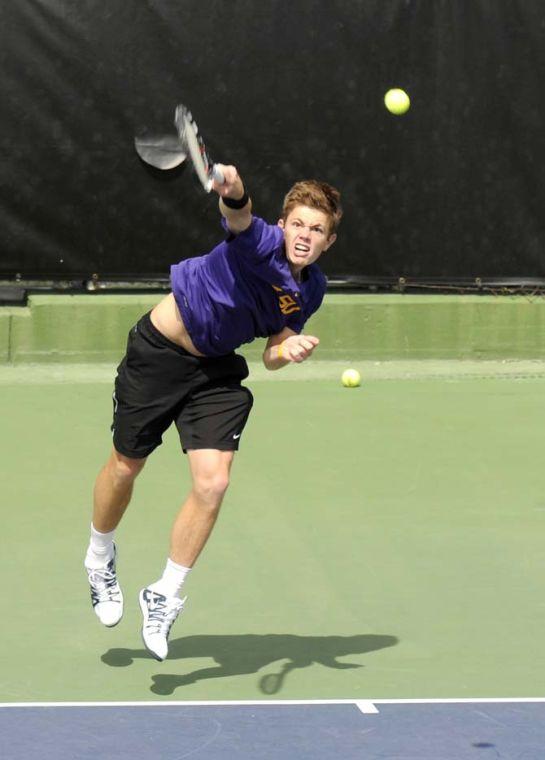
point(457, 701)
point(365, 706)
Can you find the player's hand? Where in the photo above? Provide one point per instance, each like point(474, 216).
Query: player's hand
point(297, 348)
point(232, 186)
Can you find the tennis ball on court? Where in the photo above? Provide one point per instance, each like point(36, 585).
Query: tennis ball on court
point(397, 101)
point(351, 378)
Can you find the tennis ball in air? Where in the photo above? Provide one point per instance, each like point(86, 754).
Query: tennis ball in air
point(397, 101)
point(351, 378)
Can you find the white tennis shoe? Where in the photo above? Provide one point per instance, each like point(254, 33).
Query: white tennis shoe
point(159, 614)
point(106, 595)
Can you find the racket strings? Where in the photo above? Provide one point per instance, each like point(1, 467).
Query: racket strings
point(204, 155)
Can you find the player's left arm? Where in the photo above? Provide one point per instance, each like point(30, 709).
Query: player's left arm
point(235, 204)
point(287, 347)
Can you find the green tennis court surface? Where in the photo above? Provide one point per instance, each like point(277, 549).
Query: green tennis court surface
point(381, 542)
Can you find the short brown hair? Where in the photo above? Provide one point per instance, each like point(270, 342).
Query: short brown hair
point(318, 195)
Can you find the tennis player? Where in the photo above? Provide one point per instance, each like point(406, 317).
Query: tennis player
point(181, 367)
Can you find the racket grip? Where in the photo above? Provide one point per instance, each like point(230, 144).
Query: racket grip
point(217, 175)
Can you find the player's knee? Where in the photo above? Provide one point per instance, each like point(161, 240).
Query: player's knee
point(210, 487)
point(124, 469)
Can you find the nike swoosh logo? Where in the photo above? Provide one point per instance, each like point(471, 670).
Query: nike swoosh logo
point(237, 436)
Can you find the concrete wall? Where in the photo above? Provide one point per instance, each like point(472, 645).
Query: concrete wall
point(88, 328)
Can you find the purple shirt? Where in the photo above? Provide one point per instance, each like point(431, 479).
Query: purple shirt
point(243, 289)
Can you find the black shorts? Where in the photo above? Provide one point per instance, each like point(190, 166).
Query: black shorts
point(158, 383)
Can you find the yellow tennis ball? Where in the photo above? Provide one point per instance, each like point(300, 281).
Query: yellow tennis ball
point(397, 101)
point(351, 378)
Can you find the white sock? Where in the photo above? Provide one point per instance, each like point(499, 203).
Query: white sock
point(172, 580)
point(101, 548)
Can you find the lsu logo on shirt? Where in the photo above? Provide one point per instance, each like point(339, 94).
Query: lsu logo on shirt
point(288, 305)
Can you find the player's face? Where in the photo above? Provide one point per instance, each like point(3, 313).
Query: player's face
point(306, 236)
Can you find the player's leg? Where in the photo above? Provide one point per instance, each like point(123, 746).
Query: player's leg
point(160, 602)
point(144, 406)
point(210, 471)
point(112, 494)
point(113, 490)
point(210, 426)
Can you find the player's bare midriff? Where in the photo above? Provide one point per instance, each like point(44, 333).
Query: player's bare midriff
point(167, 319)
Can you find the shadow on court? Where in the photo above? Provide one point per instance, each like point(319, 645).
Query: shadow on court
point(248, 653)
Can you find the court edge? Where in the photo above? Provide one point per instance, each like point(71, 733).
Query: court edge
point(365, 706)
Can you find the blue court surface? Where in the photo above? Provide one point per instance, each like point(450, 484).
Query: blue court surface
point(344, 729)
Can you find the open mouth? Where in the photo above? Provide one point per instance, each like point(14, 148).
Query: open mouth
point(301, 249)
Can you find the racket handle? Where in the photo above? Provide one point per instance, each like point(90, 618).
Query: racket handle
point(217, 175)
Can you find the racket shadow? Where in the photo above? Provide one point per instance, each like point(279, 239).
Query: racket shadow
point(172, 175)
point(248, 653)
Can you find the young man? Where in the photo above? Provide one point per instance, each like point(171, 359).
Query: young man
point(180, 366)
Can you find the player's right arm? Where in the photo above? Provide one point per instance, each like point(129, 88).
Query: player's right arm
point(287, 347)
point(232, 194)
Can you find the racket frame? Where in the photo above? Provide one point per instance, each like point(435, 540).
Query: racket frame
point(193, 144)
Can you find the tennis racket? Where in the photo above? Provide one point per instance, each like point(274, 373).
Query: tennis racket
point(193, 144)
